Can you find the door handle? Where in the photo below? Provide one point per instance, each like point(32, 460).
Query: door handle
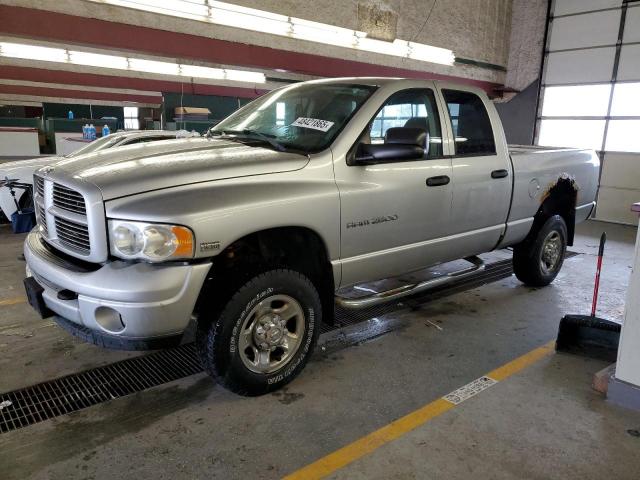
point(500, 173)
point(438, 181)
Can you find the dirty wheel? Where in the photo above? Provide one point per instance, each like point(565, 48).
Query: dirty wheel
point(264, 334)
point(538, 259)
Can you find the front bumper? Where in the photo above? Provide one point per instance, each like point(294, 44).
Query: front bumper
point(120, 301)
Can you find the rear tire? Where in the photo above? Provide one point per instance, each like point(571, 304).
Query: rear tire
point(538, 259)
point(264, 334)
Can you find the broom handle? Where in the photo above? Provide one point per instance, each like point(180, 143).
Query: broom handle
point(13, 194)
point(594, 304)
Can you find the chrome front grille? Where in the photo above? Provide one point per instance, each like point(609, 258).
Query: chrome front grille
point(73, 235)
point(41, 218)
point(39, 183)
point(68, 199)
point(65, 220)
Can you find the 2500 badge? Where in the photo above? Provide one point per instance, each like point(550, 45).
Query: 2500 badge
point(372, 221)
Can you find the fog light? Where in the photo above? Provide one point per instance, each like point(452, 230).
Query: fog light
point(109, 319)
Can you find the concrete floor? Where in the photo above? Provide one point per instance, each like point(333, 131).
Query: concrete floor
point(544, 422)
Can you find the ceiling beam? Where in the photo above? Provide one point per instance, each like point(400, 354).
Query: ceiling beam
point(30, 74)
point(69, 29)
point(78, 94)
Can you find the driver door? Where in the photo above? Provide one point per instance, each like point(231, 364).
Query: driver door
point(394, 214)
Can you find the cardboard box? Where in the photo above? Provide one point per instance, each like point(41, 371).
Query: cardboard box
point(191, 111)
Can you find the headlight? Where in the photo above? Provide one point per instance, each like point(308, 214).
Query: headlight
point(150, 241)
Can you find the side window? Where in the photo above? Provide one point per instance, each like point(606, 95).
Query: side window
point(470, 123)
point(414, 108)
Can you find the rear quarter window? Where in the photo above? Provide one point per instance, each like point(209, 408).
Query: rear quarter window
point(470, 123)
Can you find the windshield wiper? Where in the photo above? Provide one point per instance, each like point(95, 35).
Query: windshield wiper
point(251, 134)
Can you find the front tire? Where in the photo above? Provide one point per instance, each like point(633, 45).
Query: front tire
point(264, 334)
point(538, 259)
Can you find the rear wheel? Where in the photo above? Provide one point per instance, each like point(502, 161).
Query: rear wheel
point(538, 260)
point(264, 334)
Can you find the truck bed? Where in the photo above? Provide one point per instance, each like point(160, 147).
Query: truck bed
point(537, 170)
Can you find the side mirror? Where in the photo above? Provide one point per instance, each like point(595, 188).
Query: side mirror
point(400, 144)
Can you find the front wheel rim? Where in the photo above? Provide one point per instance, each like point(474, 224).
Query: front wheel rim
point(551, 254)
point(271, 334)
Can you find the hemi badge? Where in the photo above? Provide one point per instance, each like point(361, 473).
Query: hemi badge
point(208, 246)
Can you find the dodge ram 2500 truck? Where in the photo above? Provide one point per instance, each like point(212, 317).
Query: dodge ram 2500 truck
point(252, 230)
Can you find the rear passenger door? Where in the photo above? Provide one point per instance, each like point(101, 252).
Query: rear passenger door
point(481, 172)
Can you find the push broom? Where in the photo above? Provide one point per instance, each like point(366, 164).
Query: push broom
point(589, 335)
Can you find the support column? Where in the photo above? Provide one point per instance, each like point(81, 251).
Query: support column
point(624, 388)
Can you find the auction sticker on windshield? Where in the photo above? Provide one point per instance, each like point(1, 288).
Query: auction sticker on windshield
point(314, 123)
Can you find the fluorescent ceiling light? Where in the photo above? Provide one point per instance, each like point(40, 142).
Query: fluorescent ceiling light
point(89, 59)
point(153, 66)
point(243, 76)
point(98, 60)
point(202, 72)
point(33, 52)
point(236, 16)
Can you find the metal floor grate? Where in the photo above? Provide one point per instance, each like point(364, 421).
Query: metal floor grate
point(43, 401)
point(64, 395)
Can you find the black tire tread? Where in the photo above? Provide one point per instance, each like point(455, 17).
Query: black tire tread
point(208, 334)
point(525, 261)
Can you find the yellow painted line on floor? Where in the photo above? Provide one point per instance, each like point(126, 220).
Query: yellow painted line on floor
point(12, 301)
point(367, 444)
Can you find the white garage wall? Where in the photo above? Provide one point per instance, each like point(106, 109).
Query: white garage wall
point(591, 94)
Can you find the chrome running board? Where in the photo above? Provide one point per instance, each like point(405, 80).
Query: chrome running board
point(411, 289)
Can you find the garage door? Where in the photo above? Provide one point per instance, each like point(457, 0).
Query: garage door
point(591, 93)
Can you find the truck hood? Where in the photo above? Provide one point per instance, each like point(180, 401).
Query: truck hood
point(139, 168)
point(23, 169)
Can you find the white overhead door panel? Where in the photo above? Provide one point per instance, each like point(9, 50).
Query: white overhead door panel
point(588, 30)
point(614, 205)
point(626, 100)
point(622, 136)
point(569, 100)
point(629, 66)
point(571, 133)
point(619, 188)
point(564, 7)
point(632, 25)
point(620, 170)
point(580, 66)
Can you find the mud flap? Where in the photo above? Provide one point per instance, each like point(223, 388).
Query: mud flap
point(34, 297)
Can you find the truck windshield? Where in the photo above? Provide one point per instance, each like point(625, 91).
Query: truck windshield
point(299, 117)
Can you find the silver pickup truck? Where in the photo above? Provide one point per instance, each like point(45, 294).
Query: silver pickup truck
point(252, 231)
